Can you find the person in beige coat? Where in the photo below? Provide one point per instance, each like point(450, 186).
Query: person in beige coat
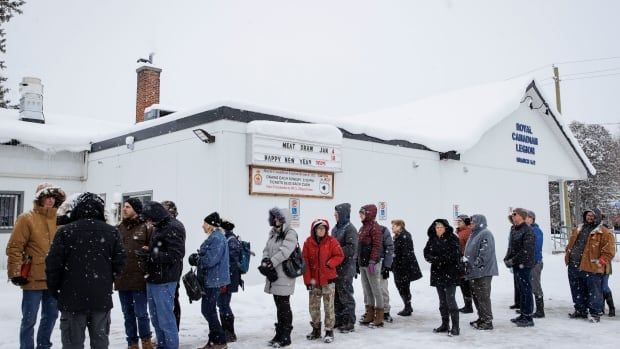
point(27, 248)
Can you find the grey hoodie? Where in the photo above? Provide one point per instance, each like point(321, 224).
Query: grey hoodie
point(480, 250)
point(278, 249)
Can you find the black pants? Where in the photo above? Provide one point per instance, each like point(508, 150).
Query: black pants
point(177, 306)
point(283, 307)
point(73, 325)
point(403, 289)
point(465, 288)
point(517, 289)
point(447, 300)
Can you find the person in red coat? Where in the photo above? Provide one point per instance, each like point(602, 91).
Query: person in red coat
point(322, 254)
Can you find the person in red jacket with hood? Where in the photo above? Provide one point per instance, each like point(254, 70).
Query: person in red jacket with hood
point(322, 254)
point(369, 247)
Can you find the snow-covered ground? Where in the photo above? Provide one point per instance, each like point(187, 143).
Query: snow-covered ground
point(256, 314)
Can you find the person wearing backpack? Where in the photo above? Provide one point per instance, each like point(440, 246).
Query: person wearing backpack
point(322, 254)
point(213, 272)
point(280, 245)
point(223, 302)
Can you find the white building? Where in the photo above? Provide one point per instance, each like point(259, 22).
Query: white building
point(481, 150)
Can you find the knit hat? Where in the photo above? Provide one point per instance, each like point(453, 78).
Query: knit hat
point(136, 204)
point(227, 225)
point(465, 218)
point(154, 211)
point(213, 219)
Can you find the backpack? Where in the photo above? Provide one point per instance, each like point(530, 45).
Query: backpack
point(244, 255)
point(192, 286)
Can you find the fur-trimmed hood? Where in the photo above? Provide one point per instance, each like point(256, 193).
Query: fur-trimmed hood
point(47, 189)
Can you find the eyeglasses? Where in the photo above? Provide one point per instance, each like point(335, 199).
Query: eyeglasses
point(514, 214)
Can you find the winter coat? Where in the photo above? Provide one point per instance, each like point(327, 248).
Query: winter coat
point(538, 234)
point(321, 258)
point(370, 238)
point(463, 234)
point(405, 265)
point(82, 262)
point(166, 248)
point(480, 250)
point(214, 266)
point(443, 253)
point(279, 247)
point(134, 236)
point(521, 247)
point(346, 234)
point(600, 247)
point(234, 260)
point(387, 252)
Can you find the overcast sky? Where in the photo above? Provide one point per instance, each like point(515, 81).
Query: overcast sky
point(319, 57)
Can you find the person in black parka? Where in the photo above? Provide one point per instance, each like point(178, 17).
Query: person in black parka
point(442, 251)
point(227, 317)
point(82, 263)
point(405, 265)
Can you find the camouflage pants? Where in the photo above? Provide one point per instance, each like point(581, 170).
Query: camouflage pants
point(327, 294)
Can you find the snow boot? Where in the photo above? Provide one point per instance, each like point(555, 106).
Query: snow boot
point(525, 321)
point(445, 322)
point(275, 338)
point(406, 311)
point(285, 337)
point(228, 325)
point(147, 343)
point(348, 325)
point(369, 316)
point(578, 315)
point(467, 308)
point(610, 303)
point(455, 330)
point(515, 320)
point(379, 318)
point(594, 318)
point(329, 337)
point(316, 331)
point(540, 308)
point(387, 317)
point(483, 325)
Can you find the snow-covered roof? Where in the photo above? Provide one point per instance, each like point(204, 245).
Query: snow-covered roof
point(58, 133)
point(320, 133)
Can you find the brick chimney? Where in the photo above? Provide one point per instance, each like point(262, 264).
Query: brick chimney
point(147, 92)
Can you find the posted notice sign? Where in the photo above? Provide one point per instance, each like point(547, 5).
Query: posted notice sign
point(277, 181)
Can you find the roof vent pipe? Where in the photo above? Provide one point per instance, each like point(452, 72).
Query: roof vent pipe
point(31, 100)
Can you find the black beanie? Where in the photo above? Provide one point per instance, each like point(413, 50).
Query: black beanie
point(213, 219)
point(136, 204)
point(228, 226)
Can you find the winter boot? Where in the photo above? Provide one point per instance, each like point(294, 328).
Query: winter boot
point(540, 308)
point(147, 343)
point(594, 318)
point(525, 321)
point(445, 322)
point(387, 317)
point(133, 346)
point(329, 337)
point(348, 325)
point(316, 331)
point(369, 316)
point(467, 308)
point(455, 330)
point(517, 319)
point(483, 325)
point(285, 336)
point(578, 315)
point(610, 303)
point(228, 325)
point(379, 316)
point(275, 338)
point(407, 310)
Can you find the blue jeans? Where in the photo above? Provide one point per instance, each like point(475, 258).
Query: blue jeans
point(161, 304)
point(134, 306)
point(605, 285)
point(524, 287)
point(586, 290)
point(30, 308)
point(223, 304)
point(209, 300)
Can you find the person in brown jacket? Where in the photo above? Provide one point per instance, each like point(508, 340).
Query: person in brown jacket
point(589, 250)
point(27, 248)
point(131, 284)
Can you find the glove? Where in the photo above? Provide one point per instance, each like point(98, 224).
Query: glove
point(223, 289)
point(266, 268)
point(267, 262)
point(19, 281)
point(385, 273)
point(193, 259)
point(509, 263)
point(372, 268)
point(310, 287)
point(602, 262)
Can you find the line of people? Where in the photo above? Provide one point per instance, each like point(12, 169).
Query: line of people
point(67, 258)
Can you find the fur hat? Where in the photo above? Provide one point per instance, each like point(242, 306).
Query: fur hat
point(49, 190)
point(136, 204)
point(213, 219)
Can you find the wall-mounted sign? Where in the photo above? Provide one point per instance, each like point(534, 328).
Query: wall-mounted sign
point(525, 144)
point(455, 211)
point(294, 206)
point(382, 208)
point(286, 153)
point(276, 181)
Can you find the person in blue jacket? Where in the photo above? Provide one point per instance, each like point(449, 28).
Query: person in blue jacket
point(538, 266)
point(213, 273)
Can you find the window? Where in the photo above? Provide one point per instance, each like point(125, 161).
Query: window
point(144, 196)
point(11, 206)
